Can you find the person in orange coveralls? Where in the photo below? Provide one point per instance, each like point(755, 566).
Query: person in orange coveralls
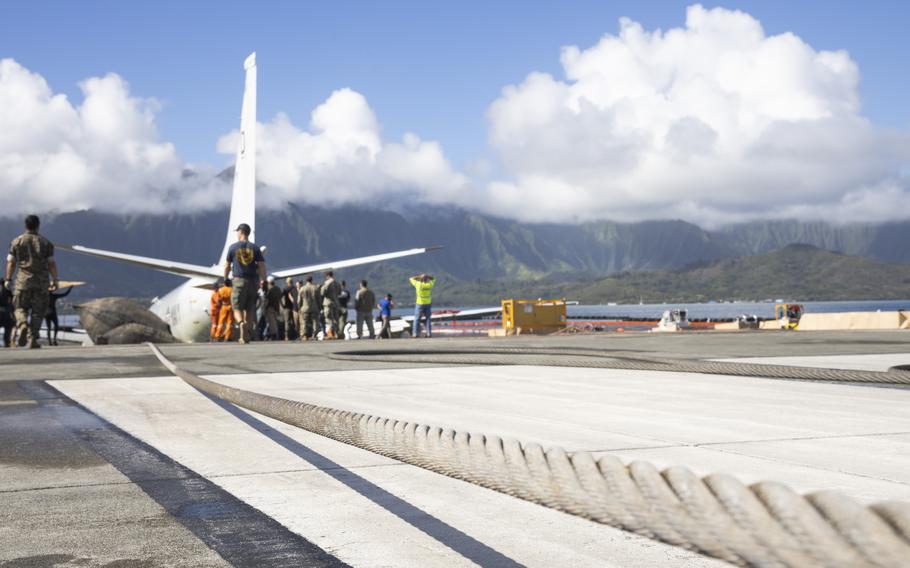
point(214, 312)
point(226, 315)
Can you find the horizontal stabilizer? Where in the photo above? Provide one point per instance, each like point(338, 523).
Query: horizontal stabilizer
point(169, 266)
point(460, 315)
point(313, 268)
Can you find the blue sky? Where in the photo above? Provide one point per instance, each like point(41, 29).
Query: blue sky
point(820, 129)
point(428, 67)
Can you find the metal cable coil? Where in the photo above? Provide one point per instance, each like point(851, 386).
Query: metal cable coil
point(765, 524)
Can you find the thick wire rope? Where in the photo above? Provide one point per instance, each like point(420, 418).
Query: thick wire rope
point(764, 524)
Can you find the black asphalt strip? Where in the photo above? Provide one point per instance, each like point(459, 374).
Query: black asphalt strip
point(239, 533)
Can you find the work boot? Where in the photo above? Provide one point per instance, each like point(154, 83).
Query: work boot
point(33, 344)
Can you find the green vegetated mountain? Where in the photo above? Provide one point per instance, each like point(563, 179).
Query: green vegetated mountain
point(476, 247)
point(796, 272)
point(884, 241)
point(482, 254)
point(799, 272)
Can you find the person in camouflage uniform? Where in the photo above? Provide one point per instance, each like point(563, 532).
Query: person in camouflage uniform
point(364, 301)
point(330, 308)
point(310, 301)
point(31, 256)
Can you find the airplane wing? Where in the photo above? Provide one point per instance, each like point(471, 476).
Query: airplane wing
point(169, 266)
point(300, 270)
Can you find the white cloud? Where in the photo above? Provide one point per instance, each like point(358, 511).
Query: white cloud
point(103, 154)
point(713, 122)
point(341, 158)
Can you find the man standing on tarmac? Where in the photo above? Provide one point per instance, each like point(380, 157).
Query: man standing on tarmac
point(33, 256)
point(423, 284)
point(245, 263)
point(310, 303)
point(272, 308)
point(298, 322)
point(214, 312)
point(288, 307)
point(225, 313)
point(330, 291)
point(343, 298)
point(385, 311)
point(364, 300)
point(6, 312)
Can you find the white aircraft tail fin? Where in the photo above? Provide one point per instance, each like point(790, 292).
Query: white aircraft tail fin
point(243, 198)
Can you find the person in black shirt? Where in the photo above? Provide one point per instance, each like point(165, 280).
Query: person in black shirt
point(6, 312)
point(272, 308)
point(244, 262)
point(288, 308)
point(50, 317)
point(343, 298)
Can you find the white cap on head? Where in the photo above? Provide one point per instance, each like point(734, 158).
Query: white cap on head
point(271, 278)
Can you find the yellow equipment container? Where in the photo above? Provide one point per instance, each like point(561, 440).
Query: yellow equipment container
point(533, 316)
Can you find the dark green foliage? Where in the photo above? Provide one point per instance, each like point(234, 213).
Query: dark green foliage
point(485, 258)
point(799, 272)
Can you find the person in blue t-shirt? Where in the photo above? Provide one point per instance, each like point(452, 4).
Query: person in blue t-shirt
point(385, 312)
point(245, 263)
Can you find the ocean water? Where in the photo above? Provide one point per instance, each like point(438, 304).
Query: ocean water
point(728, 310)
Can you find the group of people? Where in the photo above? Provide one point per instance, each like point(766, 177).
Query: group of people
point(34, 295)
point(300, 310)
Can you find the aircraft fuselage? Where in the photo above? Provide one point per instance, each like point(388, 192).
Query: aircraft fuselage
point(186, 310)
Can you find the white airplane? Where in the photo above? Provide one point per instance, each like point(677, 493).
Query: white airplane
point(185, 308)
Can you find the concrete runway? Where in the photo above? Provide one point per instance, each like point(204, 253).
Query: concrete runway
point(107, 461)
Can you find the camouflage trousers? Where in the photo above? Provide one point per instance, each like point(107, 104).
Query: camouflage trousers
point(31, 306)
point(309, 324)
point(287, 316)
point(331, 314)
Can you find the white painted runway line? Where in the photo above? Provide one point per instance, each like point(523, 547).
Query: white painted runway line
point(357, 505)
point(879, 362)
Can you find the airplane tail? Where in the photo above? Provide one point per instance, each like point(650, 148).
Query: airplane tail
point(243, 198)
point(243, 210)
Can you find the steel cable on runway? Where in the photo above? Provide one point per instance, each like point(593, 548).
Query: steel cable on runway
point(628, 360)
point(764, 524)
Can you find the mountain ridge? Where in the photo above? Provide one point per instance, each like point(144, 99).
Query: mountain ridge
point(476, 247)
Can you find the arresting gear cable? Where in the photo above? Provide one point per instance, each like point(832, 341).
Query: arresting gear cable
point(764, 524)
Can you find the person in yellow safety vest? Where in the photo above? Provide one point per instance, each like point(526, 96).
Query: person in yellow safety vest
point(214, 311)
point(226, 313)
point(423, 284)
